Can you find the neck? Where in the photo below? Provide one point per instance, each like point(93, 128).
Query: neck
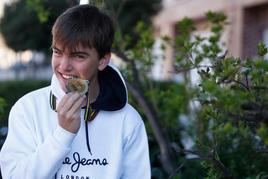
point(94, 90)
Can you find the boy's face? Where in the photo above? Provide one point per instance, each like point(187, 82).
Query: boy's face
point(82, 63)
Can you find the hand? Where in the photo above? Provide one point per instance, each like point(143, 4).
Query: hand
point(69, 111)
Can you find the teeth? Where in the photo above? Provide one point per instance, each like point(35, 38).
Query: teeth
point(67, 76)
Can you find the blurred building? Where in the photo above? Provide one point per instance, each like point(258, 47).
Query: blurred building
point(7, 56)
point(247, 19)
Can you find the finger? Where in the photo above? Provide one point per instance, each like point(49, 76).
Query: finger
point(72, 116)
point(68, 101)
point(77, 105)
point(63, 101)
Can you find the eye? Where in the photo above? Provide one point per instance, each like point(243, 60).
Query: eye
point(56, 52)
point(79, 57)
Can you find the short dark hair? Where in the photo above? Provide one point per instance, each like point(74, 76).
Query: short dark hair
point(84, 25)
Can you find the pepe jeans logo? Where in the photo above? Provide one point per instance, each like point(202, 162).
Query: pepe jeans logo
point(76, 162)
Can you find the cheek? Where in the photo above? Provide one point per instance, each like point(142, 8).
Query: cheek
point(87, 70)
point(53, 63)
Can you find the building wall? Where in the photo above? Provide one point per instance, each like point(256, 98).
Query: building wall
point(255, 24)
point(7, 56)
point(247, 23)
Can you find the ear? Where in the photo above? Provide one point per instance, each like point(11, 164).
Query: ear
point(104, 61)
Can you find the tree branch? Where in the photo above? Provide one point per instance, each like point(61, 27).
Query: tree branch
point(165, 149)
point(176, 170)
point(134, 70)
point(218, 165)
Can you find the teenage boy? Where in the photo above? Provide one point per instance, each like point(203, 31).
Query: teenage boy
point(56, 134)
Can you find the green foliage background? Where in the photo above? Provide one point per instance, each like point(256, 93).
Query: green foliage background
point(23, 28)
point(229, 125)
point(230, 128)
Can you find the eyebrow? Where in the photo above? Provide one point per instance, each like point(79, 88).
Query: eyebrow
point(55, 48)
point(73, 53)
point(79, 53)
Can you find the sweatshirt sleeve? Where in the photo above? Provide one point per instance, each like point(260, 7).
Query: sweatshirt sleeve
point(136, 162)
point(22, 157)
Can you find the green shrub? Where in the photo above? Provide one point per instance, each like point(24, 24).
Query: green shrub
point(230, 127)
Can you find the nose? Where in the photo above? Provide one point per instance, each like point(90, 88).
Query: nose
point(65, 63)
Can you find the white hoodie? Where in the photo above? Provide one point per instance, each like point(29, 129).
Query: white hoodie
point(112, 146)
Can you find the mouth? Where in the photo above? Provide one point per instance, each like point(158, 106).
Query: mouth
point(67, 77)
